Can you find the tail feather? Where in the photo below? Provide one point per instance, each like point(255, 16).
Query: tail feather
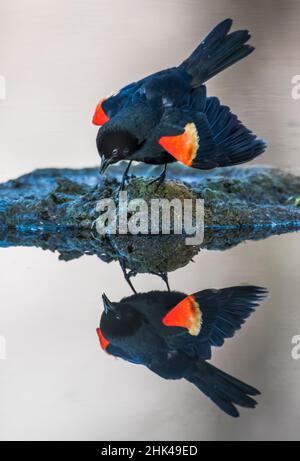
point(216, 52)
point(224, 390)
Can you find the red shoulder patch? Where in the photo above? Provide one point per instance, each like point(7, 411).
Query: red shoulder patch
point(103, 341)
point(100, 116)
point(185, 314)
point(184, 146)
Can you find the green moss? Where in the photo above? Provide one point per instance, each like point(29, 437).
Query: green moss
point(233, 196)
point(140, 188)
point(244, 203)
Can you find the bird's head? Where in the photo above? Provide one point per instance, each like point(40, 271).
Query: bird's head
point(119, 319)
point(115, 144)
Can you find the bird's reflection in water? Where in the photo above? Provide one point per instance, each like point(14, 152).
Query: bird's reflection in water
point(172, 334)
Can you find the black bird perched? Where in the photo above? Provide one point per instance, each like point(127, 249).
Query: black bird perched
point(167, 116)
point(172, 334)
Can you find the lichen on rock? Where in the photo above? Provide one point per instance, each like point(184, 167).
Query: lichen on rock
point(236, 197)
point(54, 209)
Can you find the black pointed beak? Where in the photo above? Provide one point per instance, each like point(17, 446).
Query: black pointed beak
point(107, 304)
point(105, 164)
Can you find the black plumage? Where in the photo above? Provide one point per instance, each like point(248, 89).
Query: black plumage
point(173, 334)
point(168, 117)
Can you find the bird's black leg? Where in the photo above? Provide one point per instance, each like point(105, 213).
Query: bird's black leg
point(160, 179)
point(128, 275)
point(164, 277)
point(125, 176)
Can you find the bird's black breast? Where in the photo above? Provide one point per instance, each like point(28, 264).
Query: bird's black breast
point(160, 159)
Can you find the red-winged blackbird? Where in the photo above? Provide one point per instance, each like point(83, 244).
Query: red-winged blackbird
point(167, 117)
point(172, 334)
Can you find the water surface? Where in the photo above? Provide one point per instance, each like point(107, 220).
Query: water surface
point(57, 383)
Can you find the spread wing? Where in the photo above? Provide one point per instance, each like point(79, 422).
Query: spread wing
point(206, 134)
point(208, 317)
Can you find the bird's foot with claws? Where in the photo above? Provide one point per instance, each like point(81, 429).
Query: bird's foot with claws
point(125, 178)
point(160, 179)
point(163, 276)
point(128, 274)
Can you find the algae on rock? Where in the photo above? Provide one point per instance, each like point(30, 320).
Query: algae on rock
point(54, 209)
point(234, 197)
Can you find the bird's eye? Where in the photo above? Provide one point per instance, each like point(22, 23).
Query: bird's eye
point(115, 151)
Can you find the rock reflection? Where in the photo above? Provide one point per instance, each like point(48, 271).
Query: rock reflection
point(54, 209)
point(157, 255)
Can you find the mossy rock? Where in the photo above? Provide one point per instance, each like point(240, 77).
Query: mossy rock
point(236, 197)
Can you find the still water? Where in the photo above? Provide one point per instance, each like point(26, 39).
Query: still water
point(57, 383)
